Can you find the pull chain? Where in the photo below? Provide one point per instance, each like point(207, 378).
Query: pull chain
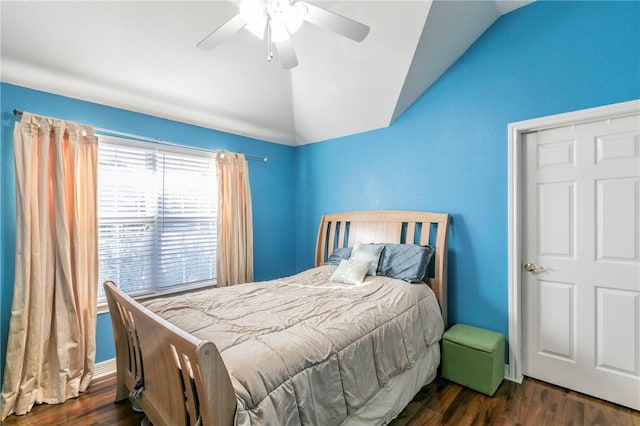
point(269, 44)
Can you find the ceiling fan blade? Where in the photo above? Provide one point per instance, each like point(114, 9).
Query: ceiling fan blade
point(334, 22)
point(287, 54)
point(218, 35)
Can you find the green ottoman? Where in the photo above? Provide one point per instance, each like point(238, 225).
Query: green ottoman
point(473, 357)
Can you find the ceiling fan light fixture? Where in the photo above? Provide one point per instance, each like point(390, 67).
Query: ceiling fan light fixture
point(254, 13)
point(283, 17)
point(292, 16)
point(279, 31)
point(277, 20)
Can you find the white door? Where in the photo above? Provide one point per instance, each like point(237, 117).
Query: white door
point(581, 220)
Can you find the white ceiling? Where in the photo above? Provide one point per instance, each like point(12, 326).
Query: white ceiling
point(141, 56)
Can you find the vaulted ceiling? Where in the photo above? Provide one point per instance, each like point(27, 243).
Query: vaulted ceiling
point(141, 56)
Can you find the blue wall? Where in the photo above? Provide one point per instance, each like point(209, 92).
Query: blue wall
point(272, 187)
point(448, 152)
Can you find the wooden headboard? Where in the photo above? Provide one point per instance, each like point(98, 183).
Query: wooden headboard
point(339, 230)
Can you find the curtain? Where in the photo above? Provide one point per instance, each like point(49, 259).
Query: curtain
point(235, 221)
point(51, 347)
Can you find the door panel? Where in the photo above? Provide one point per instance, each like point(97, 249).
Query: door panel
point(617, 337)
point(617, 219)
point(556, 320)
point(556, 227)
point(581, 218)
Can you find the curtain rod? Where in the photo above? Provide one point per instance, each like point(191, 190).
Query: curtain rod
point(108, 132)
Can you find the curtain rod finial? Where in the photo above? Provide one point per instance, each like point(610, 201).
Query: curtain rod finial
point(17, 112)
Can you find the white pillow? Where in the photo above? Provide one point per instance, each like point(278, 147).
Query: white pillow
point(368, 252)
point(351, 271)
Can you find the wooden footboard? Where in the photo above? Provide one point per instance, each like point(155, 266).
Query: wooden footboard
point(184, 380)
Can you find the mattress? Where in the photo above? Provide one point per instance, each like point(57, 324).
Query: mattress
point(303, 350)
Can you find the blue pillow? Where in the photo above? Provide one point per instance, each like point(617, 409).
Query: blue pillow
point(338, 255)
point(407, 262)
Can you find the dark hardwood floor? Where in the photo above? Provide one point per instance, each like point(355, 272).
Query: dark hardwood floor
point(532, 403)
point(439, 403)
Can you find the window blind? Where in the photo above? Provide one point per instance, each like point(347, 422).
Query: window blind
point(157, 217)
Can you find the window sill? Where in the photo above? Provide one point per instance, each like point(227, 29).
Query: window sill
point(103, 307)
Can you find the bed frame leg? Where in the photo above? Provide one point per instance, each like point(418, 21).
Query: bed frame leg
point(122, 392)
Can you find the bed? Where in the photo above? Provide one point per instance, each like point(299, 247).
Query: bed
point(297, 350)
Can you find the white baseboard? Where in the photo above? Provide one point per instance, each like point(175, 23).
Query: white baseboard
point(104, 368)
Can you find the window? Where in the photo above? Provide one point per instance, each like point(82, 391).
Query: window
point(157, 217)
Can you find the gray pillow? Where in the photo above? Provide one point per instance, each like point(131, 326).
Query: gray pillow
point(338, 255)
point(370, 253)
point(407, 262)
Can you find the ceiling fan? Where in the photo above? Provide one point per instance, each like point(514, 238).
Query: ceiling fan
point(276, 20)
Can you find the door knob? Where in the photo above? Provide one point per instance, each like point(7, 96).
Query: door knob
point(530, 267)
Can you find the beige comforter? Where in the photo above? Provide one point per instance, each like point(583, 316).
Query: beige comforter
point(302, 350)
